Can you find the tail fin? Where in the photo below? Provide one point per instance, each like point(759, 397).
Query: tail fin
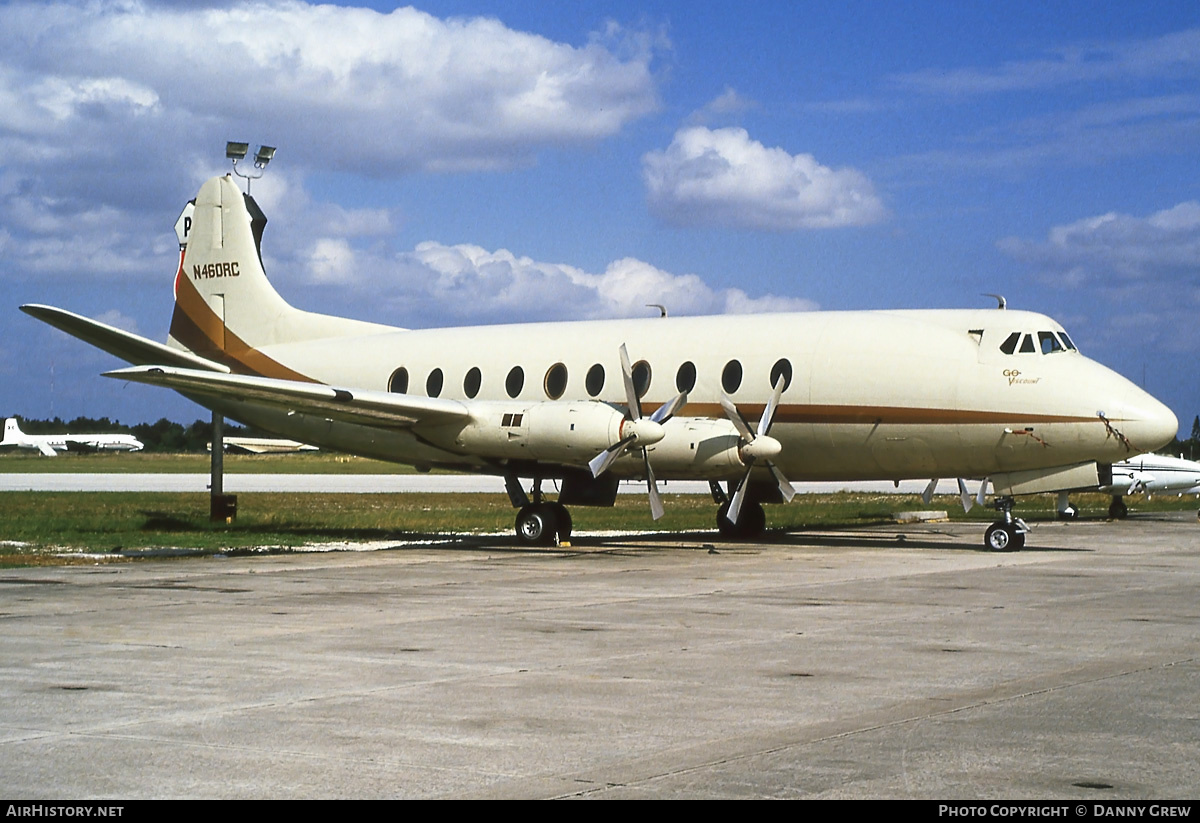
point(12, 432)
point(225, 308)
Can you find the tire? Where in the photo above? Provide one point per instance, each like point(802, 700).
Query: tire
point(1117, 510)
point(536, 525)
point(751, 524)
point(1003, 537)
point(563, 518)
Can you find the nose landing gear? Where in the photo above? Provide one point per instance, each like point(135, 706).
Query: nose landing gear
point(1007, 535)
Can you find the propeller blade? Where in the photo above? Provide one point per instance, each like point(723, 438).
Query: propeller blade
point(764, 424)
point(785, 488)
point(735, 502)
point(964, 495)
point(601, 462)
point(735, 417)
point(667, 410)
point(656, 506)
point(927, 495)
point(635, 404)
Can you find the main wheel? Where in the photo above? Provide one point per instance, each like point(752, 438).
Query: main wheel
point(1003, 537)
point(1117, 510)
point(563, 518)
point(752, 521)
point(536, 524)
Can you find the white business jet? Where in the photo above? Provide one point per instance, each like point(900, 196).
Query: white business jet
point(748, 403)
point(1149, 474)
point(51, 444)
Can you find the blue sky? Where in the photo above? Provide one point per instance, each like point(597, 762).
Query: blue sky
point(463, 162)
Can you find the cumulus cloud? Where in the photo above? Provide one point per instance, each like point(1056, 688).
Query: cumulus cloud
point(720, 177)
point(349, 87)
point(1116, 250)
point(469, 284)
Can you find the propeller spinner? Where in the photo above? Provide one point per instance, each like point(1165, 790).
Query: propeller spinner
point(756, 446)
point(638, 432)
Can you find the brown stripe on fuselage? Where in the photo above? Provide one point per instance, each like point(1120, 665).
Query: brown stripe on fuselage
point(883, 415)
point(196, 325)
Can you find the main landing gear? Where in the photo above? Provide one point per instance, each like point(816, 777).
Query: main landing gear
point(540, 522)
point(751, 522)
point(1117, 510)
point(543, 524)
point(1007, 535)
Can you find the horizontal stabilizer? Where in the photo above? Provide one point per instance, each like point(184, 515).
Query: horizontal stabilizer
point(367, 408)
point(129, 347)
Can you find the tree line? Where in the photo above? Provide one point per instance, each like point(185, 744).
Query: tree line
point(162, 436)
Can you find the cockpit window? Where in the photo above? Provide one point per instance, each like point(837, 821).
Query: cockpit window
point(1027, 345)
point(1049, 341)
point(1067, 341)
point(1010, 344)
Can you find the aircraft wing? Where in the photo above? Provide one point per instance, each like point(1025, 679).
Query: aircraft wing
point(369, 408)
point(45, 449)
point(125, 345)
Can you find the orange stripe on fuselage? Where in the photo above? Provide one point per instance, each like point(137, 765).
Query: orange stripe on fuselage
point(196, 326)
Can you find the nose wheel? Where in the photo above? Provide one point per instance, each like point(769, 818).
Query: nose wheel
point(1007, 535)
point(1004, 537)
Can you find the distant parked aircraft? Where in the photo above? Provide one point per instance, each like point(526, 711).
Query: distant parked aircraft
point(1152, 474)
point(1148, 473)
point(51, 444)
point(264, 445)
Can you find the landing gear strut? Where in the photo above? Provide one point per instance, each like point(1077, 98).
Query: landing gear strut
point(1007, 535)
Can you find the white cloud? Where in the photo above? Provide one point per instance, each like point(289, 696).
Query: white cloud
point(331, 261)
point(469, 284)
point(1115, 250)
point(721, 177)
point(1119, 61)
point(343, 87)
point(725, 105)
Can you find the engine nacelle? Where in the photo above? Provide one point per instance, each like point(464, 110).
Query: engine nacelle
point(570, 433)
point(698, 447)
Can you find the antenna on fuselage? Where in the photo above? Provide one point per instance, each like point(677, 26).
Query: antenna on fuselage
point(662, 310)
point(237, 151)
point(1001, 302)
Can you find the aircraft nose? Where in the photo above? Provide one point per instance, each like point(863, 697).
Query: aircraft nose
point(1147, 423)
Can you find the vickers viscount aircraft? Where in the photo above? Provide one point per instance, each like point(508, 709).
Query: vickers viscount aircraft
point(51, 444)
point(748, 403)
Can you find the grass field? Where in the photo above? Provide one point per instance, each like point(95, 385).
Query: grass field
point(53, 528)
point(28, 462)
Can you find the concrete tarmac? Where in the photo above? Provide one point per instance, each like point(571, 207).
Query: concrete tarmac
point(887, 662)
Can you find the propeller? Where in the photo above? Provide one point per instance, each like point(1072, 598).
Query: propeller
point(638, 432)
point(755, 446)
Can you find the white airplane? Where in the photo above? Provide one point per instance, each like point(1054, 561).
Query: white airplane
point(752, 402)
point(264, 445)
point(51, 444)
point(1150, 474)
